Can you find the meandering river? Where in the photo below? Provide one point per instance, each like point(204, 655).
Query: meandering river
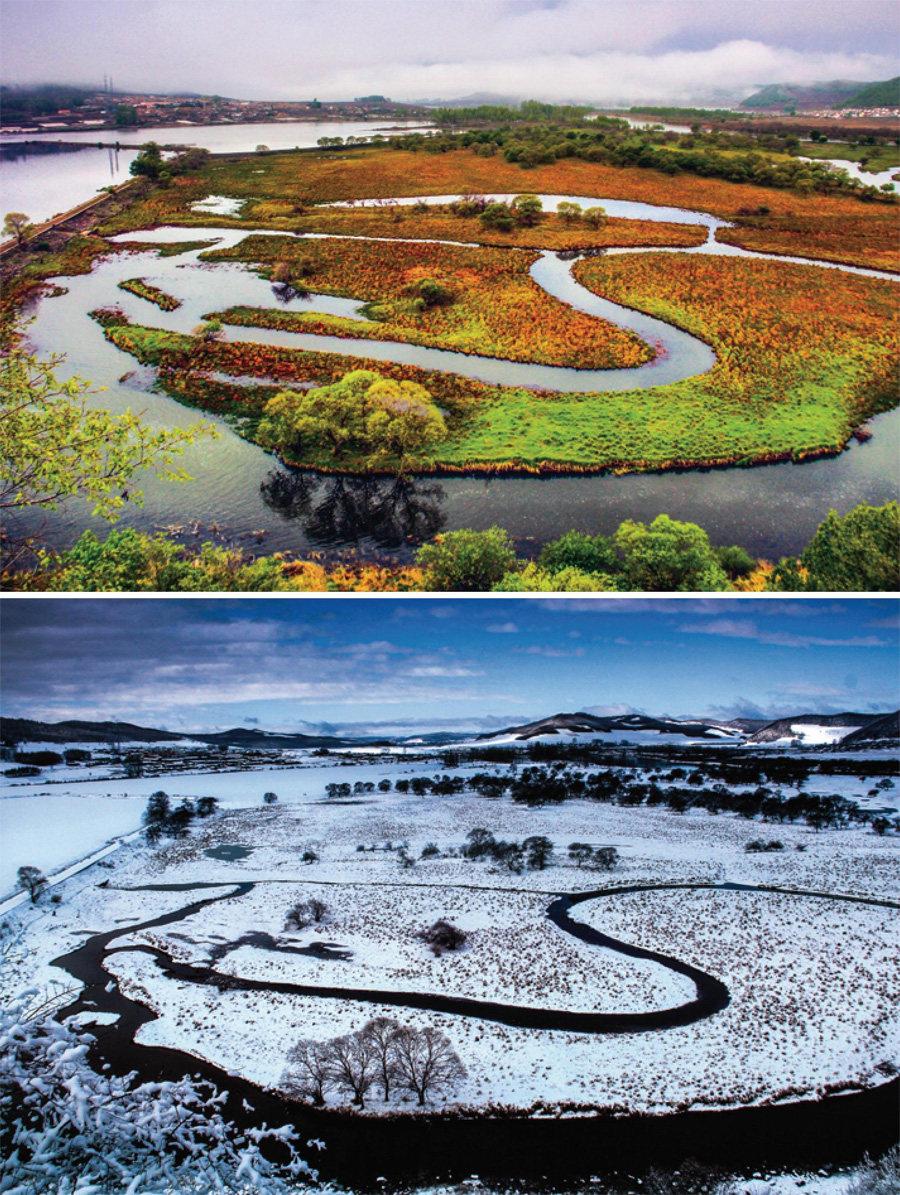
point(361, 1149)
point(772, 510)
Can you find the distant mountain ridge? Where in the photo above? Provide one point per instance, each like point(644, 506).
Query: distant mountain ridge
point(583, 723)
point(73, 731)
point(838, 93)
point(783, 728)
point(860, 729)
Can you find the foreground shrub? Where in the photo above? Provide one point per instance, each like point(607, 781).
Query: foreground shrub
point(466, 560)
point(668, 555)
point(63, 1127)
point(132, 560)
point(856, 551)
point(588, 553)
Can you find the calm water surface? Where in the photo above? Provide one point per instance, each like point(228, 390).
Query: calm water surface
point(248, 497)
point(43, 184)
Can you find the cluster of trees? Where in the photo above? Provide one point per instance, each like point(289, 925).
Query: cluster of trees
point(742, 158)
point(364, 419)
point(161, 820)
point(600, 858)
point(522, 211)
point(534, 853)
point(149, 163)
point(383, 1054)
point(529, 111)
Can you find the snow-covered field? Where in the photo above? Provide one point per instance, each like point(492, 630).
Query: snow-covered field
point(811, 980)
point(54, 820)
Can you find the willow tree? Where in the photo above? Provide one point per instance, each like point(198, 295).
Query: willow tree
point(55, 443)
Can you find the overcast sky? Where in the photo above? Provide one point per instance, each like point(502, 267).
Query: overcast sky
point(285, 662)
point(599, 51)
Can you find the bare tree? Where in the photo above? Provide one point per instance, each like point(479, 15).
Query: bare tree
point(426, 1062)
point(354, 1064)
point(382, 1032)
point(311, 1070)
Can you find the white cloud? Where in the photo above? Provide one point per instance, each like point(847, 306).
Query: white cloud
point(734, 628)
point(614, 51)
point(502, 628)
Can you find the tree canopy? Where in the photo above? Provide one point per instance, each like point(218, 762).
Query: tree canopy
point(56, 444)
point(364, 417)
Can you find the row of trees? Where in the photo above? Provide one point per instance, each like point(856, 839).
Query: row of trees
point(522, 211)
point(536, 786)
point(383, 1054)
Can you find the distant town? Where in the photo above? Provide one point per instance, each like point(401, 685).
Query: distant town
point(83, 110)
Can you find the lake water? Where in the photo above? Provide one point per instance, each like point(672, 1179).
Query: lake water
point(43, 184)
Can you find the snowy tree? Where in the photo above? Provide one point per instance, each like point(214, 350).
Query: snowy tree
point(354, 1064)
point(605, 858)
point(158, 808)
point(66, 1128)
point(310, 1073)
point(580, 853)
point(426, 1062)
point(538, 850)
point(382, 1034)
point(33, 880)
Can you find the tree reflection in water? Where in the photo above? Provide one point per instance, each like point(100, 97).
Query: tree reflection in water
point(388, 512)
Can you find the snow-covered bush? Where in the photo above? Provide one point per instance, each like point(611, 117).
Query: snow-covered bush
point(878, 1178)
point(67, 1130)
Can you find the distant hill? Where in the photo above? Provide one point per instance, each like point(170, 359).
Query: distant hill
point(884, 731)
point(23, 730)
point(813, 728)
point(582, 723)
point(791, 95)
point(877, 95)
point(839, 93)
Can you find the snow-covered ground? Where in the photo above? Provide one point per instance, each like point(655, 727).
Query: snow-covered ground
point(811, 979)
point(59, 818)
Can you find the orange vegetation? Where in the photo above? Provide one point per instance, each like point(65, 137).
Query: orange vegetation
point(496, 308)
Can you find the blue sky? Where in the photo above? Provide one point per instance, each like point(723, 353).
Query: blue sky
point(284, 664)
point(598, 51)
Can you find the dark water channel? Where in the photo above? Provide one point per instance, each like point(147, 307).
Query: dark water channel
point(366, 1151)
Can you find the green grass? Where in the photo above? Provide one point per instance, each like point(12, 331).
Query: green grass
point(878, 157)
point(662, 427)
